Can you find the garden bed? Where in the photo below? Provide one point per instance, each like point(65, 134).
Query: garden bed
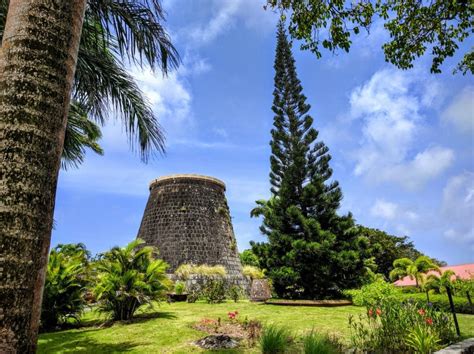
point(320, 303)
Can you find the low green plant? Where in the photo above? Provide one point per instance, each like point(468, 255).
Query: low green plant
point(179, 287)
point(422, 340)
point(128, 278)
point(274, 339)
point(387, 326)
point(314, 343)
point(64, 289)
point(253, 272)
point(184, 271)
point(214, 291)
point(235, 293)
point(371, 294)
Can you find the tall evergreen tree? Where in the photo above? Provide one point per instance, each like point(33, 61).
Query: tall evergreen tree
point(311, 251)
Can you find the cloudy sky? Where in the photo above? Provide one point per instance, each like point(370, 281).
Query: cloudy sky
point(402, 142)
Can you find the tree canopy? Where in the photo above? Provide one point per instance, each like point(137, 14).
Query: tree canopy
point(415, 27)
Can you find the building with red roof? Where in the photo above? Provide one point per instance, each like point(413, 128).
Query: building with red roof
point(462, 271)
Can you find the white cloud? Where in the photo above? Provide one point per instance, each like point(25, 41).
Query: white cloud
point(458, 209)
point(390, 106)
point(392, 211)
point(460, 111)
point(227, 14)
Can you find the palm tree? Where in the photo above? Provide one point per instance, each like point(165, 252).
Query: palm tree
point(113, 32)
point(128, 278)
point(36, 82)
point(403, 267)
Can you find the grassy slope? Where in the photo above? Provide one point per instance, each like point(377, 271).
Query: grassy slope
point(169, 331)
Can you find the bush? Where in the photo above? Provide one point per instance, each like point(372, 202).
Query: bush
point(387, 327)
point(179, 287)
point(185, 270)
point(314, 343)
point(371, 294)
point(64, 289)
point(128, 278)
point(441, 301)
point(274, 339)
point(214, 291)
point(235, 293)
point(253, 272)
point(422, 340)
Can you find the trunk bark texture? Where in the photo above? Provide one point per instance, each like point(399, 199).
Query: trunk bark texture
point(37, 62)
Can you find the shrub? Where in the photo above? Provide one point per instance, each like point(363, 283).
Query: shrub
point(253, 272)
point(235, 293)
point(274, 339)
point(314, 343)
point(179, 287)
point(387, 326)
point(64, 289)
point(441, 301)
point(214, 291)
point(185, 270)
point(373, 293)
point(128, 278)
point(422, 340)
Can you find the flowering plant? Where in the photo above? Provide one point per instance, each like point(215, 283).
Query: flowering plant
point(233, 315)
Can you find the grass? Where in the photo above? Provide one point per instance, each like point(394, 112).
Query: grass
point(168, 329)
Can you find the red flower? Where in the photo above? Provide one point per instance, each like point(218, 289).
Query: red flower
point(371, 312)
point(378, 312)
point(429, 321)
point(422, 312)
point(232, 315)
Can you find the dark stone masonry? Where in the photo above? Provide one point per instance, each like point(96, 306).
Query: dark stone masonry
point(188, 220)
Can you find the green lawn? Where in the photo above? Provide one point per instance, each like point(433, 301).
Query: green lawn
point(168, 329)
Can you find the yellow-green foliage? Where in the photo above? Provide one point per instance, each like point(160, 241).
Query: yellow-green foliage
point(185, 270)
point(253, 272)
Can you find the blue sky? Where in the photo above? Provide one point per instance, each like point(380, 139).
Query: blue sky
point(402, 142)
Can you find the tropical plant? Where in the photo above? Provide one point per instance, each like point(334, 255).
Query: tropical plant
point(438, 283)
point(373, 293)
point(315, 343)
point(128, 278)
point(274, 339)
point(388, 324)
point(184, 271)
point(403, 267)
point(422, 340)
point(179, 287)
point(64, 289)
point(253, 272)
point(214, 291)
point(36, 77)
point(114, 32)
point(235, 293)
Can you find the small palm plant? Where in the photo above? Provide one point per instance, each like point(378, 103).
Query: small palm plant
point(403, 267)
point(64, 289)
point(274, 339)
point(128, 278)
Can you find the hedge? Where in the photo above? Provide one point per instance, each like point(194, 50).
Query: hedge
point(461, 304)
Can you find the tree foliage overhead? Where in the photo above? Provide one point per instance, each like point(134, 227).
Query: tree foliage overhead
point(115, 32)
point(312, 252)
point(414, 26)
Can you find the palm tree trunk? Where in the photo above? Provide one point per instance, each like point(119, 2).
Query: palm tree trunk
point(37, 63)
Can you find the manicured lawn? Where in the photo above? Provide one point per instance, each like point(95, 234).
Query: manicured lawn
point(168, 330)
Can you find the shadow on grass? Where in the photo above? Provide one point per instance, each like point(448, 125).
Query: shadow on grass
point(152, 315)
point(81, 342)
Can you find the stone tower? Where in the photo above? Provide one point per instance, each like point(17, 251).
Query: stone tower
point(188, 220)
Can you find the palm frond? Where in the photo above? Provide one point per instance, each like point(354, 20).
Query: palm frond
point(105, 88)
point(137, 27)
point(81, 133)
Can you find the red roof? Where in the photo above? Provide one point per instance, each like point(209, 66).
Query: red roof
point(463, 271)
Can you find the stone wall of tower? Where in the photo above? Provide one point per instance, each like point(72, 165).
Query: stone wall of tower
point(187, 218)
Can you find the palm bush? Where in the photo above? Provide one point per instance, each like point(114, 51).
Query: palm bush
point(65, 286)
point(274, 339)
point(128, 278)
